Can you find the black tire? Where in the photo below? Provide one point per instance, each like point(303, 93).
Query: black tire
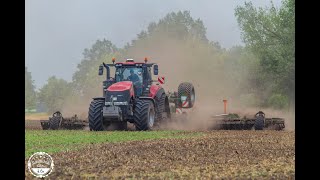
point(167, 110)
point(144, 114)
point(160, 108)
point(95, 115)
point(54, 122)
point(187, 89)
point(259, 123)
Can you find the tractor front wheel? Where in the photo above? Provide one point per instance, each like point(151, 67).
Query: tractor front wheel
point(95, 115)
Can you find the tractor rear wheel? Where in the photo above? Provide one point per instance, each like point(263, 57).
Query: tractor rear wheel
point(54, 122)
point(144, 115)
point(95, 115)
point(259, 123)
point(187, 89)
point(160, 108)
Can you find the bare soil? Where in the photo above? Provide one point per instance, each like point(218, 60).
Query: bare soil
point(216, 155)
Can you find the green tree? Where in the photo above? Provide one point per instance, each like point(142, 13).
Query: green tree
point(85, 80)
point(54, 93)
point(179, 25)
point(30, 94)
point(270, 34)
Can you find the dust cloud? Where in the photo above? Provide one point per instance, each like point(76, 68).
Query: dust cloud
point(179, 62)
point(80, 109)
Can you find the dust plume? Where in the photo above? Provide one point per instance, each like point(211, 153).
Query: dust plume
point(80, 109)
point(181, 61)
point(79, 105)
point(202, 65)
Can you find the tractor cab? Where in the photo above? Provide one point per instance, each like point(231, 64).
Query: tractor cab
point(135, 74)
point(139, 73)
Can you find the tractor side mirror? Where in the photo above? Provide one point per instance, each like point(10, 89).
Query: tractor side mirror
point(155, 69)
point(100, 70)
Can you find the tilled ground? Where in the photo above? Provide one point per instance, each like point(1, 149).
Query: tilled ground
point(216, 155)
point(32, 124)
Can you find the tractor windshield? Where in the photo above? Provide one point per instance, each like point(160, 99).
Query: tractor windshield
point(133, 74)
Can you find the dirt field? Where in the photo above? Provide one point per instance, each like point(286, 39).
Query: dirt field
point(216, 154)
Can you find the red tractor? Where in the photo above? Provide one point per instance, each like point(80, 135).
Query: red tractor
point(131, 96)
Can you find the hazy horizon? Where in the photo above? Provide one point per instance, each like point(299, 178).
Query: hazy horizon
point(57, 32)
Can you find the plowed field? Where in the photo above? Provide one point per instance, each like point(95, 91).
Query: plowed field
point(204, 155)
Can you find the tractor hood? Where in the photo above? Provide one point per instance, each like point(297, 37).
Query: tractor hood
point(120, 86)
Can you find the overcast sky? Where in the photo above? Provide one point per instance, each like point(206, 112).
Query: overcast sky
point(57, 31)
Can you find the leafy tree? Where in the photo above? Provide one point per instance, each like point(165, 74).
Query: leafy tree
point(54, 93)
point(85, 80)
point(270, 34)
point(30, 94)
point(179, 25)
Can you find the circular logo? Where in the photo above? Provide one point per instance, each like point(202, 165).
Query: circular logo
point(40, 164)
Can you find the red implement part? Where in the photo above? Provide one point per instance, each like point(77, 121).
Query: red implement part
point(161, 80)
point(225, 106)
